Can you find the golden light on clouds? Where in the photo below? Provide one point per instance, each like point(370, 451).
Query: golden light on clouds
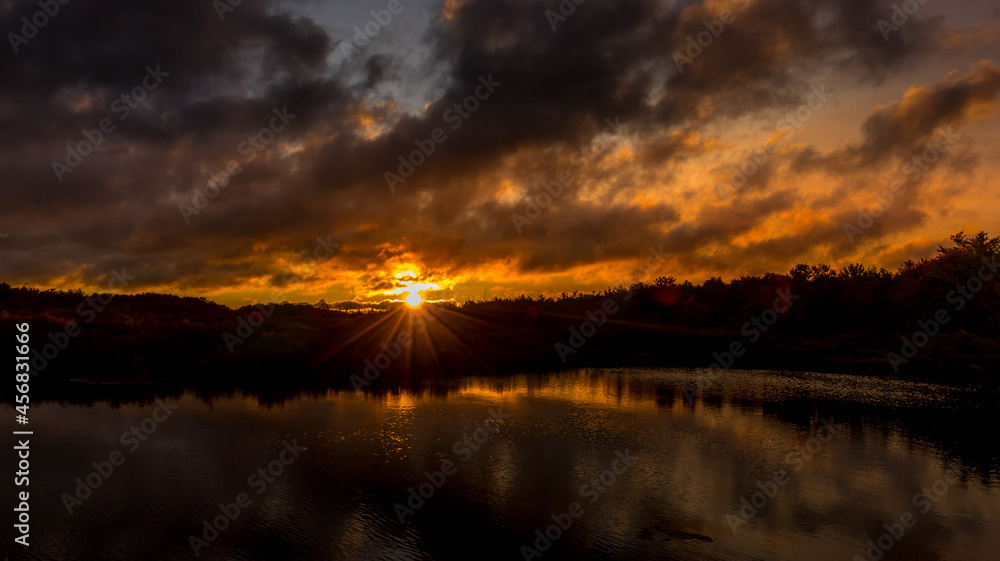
point(374, 120)
point(450, 8)
point(408, 285)
point(645, 147)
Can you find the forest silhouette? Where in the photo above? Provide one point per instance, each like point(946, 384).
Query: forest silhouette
point(849, 320)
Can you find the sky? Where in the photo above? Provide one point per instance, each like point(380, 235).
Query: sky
point(275, 151)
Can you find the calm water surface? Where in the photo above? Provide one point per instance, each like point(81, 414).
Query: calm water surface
point(693, 465)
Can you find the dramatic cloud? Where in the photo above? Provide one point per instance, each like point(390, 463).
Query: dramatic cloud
point(501, 144)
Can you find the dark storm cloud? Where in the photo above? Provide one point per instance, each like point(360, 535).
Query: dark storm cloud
point(605, 60)
point(103, 49)
point(608, 58)
point(323, 175)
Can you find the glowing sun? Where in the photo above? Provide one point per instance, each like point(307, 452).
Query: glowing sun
point(414, 299)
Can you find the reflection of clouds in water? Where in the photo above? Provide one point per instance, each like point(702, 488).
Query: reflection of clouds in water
point(365, 451)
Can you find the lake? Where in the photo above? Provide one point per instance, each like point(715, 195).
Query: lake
point(610, 464)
